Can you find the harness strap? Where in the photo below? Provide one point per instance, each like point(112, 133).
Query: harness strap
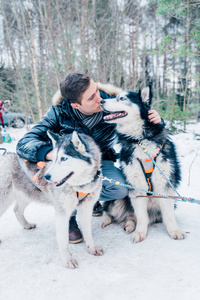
point(41, 165)
point(81, 196)
point(147, 173)
point(148, 168)
point(23, 165)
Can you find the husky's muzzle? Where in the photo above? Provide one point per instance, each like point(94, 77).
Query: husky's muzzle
point(58, 183)
point(112, 115)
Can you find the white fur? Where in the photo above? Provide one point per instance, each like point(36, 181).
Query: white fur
point(132, 126)
point(136, 178)
point(15, 185)
point(133, 117)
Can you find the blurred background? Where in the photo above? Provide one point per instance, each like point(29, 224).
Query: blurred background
point(128, 43)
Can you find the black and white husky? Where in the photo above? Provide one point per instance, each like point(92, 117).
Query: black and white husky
point(129, 111)
point(75, 169)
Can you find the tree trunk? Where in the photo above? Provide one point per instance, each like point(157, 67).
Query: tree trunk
point(35, 71)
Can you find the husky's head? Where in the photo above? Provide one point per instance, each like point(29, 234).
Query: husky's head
point(76, 159)
point(129, 111)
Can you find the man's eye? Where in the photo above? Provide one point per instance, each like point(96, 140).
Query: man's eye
point(64, 158)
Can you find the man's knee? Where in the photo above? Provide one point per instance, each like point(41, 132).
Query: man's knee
point(116, 191)
point(121, 192)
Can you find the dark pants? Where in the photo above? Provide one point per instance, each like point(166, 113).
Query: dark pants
point(110, 191)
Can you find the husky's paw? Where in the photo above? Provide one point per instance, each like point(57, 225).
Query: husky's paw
point(138, 237)
point(71, 263)
point(129, 226)
point(29, 226)
point(177, 235)
point(95, 250)
point(106, 220)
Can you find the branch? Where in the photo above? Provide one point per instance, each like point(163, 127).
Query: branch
point(192, 164)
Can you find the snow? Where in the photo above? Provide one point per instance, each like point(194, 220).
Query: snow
point(157, 268)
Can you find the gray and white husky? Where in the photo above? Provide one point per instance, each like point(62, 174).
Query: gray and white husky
point(129, 111)
point(74, 169)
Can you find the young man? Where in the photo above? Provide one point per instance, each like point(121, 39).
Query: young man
point(78, 108)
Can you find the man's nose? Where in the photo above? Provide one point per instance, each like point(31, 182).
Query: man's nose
point(99, 98)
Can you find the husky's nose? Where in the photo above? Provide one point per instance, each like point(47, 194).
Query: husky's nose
point(102, 101)
point(47, 176)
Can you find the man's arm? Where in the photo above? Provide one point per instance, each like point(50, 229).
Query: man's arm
point(36, 144)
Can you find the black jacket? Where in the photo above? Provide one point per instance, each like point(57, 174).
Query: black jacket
point(60, 118)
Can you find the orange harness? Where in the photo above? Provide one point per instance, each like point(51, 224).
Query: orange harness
point(148, 168)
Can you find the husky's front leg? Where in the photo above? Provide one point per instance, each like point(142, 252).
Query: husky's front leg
point(140, 208)
point(85, 216)
point(62, 235)
point(167, 210)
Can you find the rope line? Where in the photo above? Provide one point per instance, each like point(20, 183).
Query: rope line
point(153, 194)
point(157, 195)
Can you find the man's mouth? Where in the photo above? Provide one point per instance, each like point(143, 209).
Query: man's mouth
point(115, 115)
point(59, 183)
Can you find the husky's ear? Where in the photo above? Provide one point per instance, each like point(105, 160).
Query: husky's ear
point(146, 95)
point(53, 137)
point(78, 145)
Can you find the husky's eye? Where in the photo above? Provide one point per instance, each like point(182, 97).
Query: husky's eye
point(64, 158)
point(120, 98)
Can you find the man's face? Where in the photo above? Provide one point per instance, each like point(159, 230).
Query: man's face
point(90, 102)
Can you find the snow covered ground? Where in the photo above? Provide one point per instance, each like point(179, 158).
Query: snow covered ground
point(157, 268)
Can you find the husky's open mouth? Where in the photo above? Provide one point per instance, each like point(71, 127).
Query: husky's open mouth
point(115, 115)
point(59, 183)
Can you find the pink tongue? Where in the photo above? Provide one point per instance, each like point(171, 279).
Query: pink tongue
point(111, 116)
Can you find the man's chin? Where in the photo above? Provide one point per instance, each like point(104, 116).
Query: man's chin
point(99, 109)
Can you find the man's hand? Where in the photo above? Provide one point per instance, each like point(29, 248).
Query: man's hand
point(49, 155)
point(154, 117)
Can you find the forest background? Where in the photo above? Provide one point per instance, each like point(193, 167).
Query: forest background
point(128, 43)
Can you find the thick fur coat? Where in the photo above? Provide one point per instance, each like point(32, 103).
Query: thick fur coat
point(75, 168)
point(130, 112)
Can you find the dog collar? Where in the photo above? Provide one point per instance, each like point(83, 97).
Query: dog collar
point(82, 196)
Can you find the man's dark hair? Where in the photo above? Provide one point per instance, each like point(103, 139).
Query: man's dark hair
point(73, 86)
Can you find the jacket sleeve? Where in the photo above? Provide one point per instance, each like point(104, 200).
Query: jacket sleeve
point(36, 144)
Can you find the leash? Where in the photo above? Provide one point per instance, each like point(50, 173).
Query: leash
point(154, 195)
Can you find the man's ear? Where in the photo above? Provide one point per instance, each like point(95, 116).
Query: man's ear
point(146, 95)
point(53, 137)
point(75, 105)
point(78, 145)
